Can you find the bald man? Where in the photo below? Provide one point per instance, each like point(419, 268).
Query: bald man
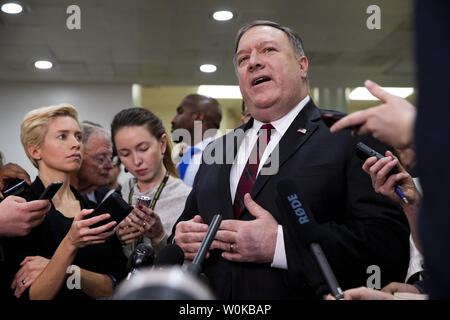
point(195, 123)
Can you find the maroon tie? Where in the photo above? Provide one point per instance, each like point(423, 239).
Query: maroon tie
point(248, 176)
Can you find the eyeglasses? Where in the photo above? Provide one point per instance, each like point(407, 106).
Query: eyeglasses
point(103, 159)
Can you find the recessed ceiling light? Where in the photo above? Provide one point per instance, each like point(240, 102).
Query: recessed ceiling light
point(43, 64)
point(361, 93)
point(220, 92)
point(12, 8)
point(208, 68)
point(223, 15)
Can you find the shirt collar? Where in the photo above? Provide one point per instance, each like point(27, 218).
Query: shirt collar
point(202, 144)
point(281, 125)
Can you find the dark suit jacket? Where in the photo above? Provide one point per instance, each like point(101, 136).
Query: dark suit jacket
point(358, 227)
point(431, 139)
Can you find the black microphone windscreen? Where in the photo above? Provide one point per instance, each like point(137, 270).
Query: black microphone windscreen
point(171, 254)
point(301, 226)
point(143, 248)
point(297, 212)
point(142, 256)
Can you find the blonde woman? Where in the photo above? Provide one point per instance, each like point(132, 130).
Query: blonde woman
point(51, 137)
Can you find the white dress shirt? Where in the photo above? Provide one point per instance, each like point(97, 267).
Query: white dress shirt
point(416, 263)
point(415, 260)
point(281, 125)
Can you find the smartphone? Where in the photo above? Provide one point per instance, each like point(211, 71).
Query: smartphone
point(331, 116)
point(16, 189)
point(364, 152)
point(51, 190)
point(115, 206)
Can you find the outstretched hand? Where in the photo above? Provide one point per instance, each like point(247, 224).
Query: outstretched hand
point(391, 122)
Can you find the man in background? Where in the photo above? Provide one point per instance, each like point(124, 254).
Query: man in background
point(93, 177)
point(200, 116)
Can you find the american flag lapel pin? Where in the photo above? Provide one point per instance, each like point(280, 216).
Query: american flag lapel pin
point(302, 130)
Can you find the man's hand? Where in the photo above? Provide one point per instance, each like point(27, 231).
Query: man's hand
point(394, 287)
point(248, 241)
point(18, 217)
point(391, 122)
point(364, 293)
point(12, 171)
point(189, 235)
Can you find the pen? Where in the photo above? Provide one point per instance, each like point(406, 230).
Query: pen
point(400, 194)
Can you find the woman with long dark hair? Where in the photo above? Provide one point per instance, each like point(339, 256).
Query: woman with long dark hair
point(142, 144)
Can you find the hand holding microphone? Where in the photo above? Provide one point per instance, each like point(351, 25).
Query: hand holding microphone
point(189, 235)
point(196, 266)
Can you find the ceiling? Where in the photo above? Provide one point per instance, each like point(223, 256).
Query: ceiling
point(163, 42)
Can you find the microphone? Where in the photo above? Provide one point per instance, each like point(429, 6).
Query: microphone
point(142, 256)
point(170, 255)
point(166, 280)
point(196, 266)
point(288, 201)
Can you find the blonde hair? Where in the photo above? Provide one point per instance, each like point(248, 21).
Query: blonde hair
point(34, 126)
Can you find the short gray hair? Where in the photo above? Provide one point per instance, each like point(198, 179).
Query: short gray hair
point(294, 38)
point(91, 129)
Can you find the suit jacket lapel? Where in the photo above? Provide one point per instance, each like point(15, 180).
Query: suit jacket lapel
point(291, 141)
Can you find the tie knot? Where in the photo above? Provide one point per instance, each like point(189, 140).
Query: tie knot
point(266, 131)
point(267, 126)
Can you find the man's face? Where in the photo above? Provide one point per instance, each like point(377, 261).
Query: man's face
point(271, 78)
point(184, 118)
point(96, 162)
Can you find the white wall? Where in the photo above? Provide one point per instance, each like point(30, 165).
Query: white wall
point(94, 102)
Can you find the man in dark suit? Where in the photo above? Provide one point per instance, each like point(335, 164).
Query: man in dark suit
point(256, 253)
